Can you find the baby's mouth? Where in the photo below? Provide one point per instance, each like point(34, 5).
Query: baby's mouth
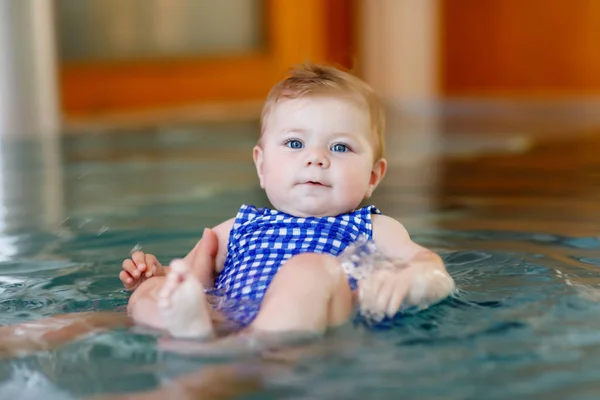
point(315, 183)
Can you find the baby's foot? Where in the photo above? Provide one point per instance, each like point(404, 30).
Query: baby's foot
point(182, 304)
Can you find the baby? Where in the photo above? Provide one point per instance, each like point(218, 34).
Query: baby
point(319, 155)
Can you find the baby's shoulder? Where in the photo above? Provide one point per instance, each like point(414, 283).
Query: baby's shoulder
point(384, 226)
point(222, 230)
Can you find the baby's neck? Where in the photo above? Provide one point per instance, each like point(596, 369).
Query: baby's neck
point(297, 214)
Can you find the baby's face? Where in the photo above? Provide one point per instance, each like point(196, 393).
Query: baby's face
point(315, 157)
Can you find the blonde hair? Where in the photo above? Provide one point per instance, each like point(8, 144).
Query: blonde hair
point(311, 79)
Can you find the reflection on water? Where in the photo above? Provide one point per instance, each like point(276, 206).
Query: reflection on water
point(519, 232)
point(514, 328)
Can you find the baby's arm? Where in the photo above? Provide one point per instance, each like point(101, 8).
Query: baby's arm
point(421, 278)
point(142, 266)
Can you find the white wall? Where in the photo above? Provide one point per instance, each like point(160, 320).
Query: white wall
point(28, 80)
point(29, 106)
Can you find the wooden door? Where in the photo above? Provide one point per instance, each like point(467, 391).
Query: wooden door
point(296, 31)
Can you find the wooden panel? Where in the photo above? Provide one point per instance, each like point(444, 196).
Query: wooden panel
point(101, 88)
point(340, 22)
point(296, 32)
point(515, 47)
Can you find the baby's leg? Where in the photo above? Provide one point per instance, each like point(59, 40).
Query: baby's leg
point(310, 293)
point(175, 302)
point(182, 304)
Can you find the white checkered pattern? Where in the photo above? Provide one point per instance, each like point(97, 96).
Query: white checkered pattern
point(262, 239)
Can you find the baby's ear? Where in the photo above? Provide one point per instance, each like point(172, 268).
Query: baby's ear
point(257, 154)
point(377, 174)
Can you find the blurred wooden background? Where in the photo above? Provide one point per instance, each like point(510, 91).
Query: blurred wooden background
point(492, 48)
point(534, 48)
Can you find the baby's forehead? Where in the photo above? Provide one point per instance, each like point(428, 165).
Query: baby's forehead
point(347, 99)
point(309, 109)
point(325, 118)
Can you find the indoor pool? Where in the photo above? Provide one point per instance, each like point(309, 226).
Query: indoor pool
point(518, 227)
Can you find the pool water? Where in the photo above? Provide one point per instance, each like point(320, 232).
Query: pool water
point(518, 232)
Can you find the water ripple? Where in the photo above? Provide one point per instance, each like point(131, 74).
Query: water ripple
point(449, 237)
point(513, 311)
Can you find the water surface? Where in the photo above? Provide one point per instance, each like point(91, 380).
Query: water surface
point(518, 232)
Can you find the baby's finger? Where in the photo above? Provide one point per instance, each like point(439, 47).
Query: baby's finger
point(150, 260)
point(153, 266)
point(127, 280)
point(396, 299)
point(369, 290)
point(364, 294)
point(130, 267)
point(139, 259)
point(382, 298)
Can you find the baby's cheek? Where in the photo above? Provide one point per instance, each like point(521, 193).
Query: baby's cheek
point(355, 191)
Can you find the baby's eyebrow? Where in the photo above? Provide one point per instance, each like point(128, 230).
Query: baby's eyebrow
point(294, 130)
point(346, 134)
point(350, 136)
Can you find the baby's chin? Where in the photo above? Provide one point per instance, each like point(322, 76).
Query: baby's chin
point(312, 210)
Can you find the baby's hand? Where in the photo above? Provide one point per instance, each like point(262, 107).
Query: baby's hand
point(384, 290)
point(138, 268)
point(418, 283)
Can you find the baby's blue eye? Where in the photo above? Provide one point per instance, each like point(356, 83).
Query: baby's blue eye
point(339, 148)
point(294, 144)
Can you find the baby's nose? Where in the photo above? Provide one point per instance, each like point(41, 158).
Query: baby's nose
point(317, 158)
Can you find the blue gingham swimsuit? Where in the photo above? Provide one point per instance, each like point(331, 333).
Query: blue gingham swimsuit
point(262, 239)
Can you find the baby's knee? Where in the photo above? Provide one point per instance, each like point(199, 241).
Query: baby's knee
point(319, 266)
